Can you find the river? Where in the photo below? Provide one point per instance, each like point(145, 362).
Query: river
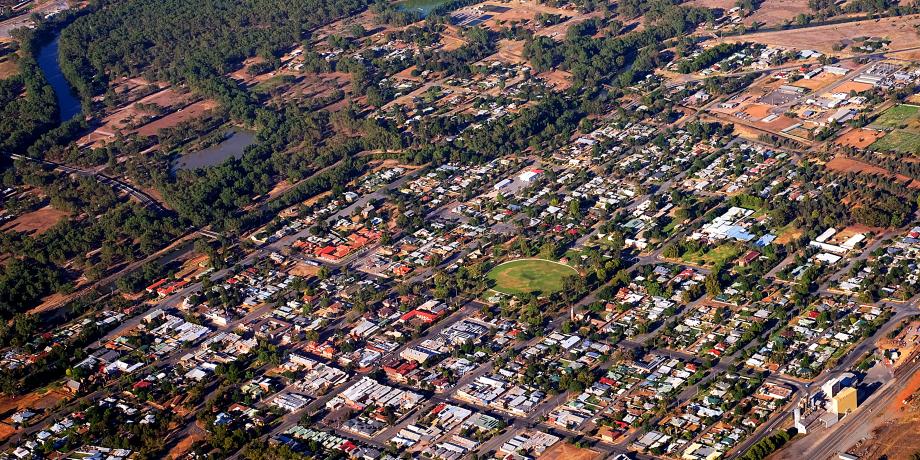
point(232, 146)
point(68, 103)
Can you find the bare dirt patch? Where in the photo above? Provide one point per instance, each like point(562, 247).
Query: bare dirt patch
point(789, 236)
point(777, 11)
point(511, 51)
point(566, 451)
point(849, 165)
point(859, 138)
point(36, 222)
point(304, 270)
point(900, 30)
point(853, 86)
point(821, 80)
point(450, 43)
point(183, 446)
point(8, 68)
point(756, 111)
point(188, 113)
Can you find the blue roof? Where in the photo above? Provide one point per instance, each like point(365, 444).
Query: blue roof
point(765, 240)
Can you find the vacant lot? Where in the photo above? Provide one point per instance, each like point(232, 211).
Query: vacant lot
point(849, 165)
point(901, 31)
point(776, 12)
point(36, 222)
point(719, 255)
point(530, 275)
point(8, 68)
point(859, 138)
point(566, 451)
point(188, 113)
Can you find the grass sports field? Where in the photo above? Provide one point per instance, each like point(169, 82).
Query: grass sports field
point(530, 275)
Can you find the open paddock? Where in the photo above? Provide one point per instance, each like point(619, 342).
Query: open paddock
point(859, 138)
point(899, 140)
point(174, 119)
point(900, 30)
point(36, 222)
point(849, 165)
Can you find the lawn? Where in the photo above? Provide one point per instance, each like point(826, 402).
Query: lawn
point(898, 140)
point(898, 116)
point(717, 256)
point(530, 275)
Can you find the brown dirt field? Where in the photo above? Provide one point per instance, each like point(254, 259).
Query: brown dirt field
point(723, 4)
point(859, 228)
point(6, 431)
point(320, 85)
point(511, 51)
point(449, 43)
point(853, 86)
point(167, 97)
point(756, 111)
point(898, 434)
point(280, 188)
point(36, 222)
point(900, 30)
point(566, 451)
point(746, 132)
point(192, 111)
point(184, 446)
point(821, 80)
point(242, 74)
point(8, 68)
point(847, 165)
point(777, 11)
point(859, 138)
point(304, 270)
point(190, 266)
point(35, 400)
point(560, 79)
point(789, 236)
point(779, 124)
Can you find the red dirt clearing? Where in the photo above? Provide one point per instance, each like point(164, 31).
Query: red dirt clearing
point(859, 138)
point(36, 222)
point(848, 165)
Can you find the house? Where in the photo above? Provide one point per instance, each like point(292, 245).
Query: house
point(748, 258)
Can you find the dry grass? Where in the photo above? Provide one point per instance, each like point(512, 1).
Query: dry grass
point(566, 451)
point(900, 30)
point(174, 119)
point(36, 222)
point(8, 68)
point(304, 270)
point(777, 11)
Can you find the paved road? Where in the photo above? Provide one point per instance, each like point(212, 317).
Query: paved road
point(800, 448)
point(119, 186)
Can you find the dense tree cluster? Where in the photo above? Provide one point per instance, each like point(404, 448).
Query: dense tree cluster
point(178, 40)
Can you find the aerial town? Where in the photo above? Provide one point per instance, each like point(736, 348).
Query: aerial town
point(460, 229)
